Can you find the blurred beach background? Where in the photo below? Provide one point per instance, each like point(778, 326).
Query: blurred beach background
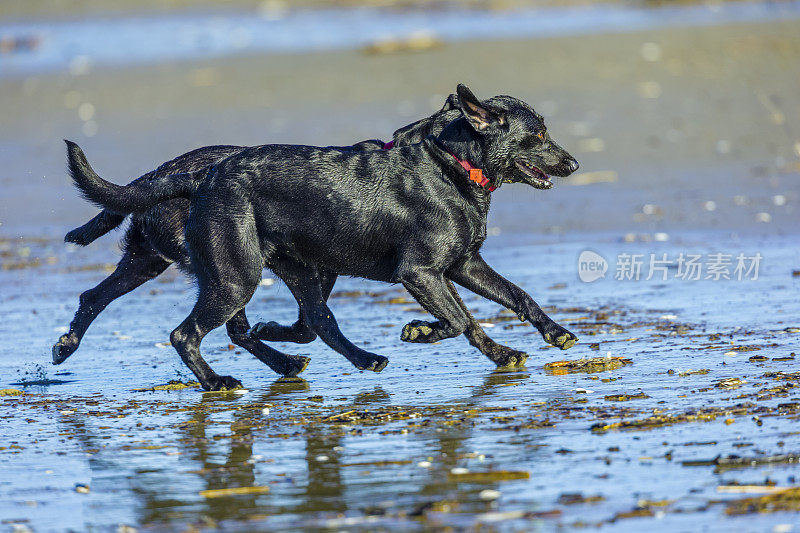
point(673, 105)
point(684, 117)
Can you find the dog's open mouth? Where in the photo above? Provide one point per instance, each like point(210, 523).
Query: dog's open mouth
point(536, 177)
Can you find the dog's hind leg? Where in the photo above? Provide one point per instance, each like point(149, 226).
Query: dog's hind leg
point(304, 283)
point(285, 365)
point(299, 332)
point(228, 269)
point(217, 302)
point(138, 265)
point(502, 356)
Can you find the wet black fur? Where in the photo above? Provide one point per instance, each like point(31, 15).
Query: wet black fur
point(155, 239)
point(408, 215)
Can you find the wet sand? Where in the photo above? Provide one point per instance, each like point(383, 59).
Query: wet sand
point(438, 439)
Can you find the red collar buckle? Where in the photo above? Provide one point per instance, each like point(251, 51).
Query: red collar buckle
point(475, 174)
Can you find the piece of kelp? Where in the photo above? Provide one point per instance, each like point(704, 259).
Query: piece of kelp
point(732, 462)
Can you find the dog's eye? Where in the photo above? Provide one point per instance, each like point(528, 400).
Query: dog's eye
point(534, 140)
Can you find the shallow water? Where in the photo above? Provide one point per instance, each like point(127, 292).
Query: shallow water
point(78, 45)
point(342, 449)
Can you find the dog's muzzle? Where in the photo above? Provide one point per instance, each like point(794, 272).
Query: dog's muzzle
point(536, 177)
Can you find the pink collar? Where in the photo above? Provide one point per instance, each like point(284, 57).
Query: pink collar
point(475, 174)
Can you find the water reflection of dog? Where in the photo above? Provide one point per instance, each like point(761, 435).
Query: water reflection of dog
point(238, 469)
point(163, 497)
point(325, 489)
point(449, 446)
point(162, 500)
point(161, 494)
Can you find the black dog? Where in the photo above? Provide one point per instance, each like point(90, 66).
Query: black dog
point(414, 215)
point(155, 239)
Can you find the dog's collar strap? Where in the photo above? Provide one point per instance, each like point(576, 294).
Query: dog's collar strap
point(475, 174)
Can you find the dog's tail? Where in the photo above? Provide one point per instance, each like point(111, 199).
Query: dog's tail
point(139, 195)
point(104, 222)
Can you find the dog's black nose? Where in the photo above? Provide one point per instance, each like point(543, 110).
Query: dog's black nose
point(572, 165)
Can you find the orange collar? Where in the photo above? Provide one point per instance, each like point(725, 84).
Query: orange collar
point(475, 174)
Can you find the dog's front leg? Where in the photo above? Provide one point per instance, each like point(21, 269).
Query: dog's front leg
point(430, 290)
point(475, 275)
point(500, 355)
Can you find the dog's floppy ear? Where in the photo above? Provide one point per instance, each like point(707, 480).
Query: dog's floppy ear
point(476, 114)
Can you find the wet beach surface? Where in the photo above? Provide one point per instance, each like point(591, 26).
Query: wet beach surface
point(687, 421)
point(690, 371)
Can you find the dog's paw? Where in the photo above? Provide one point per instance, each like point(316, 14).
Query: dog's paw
point(295, 364)
point(261, 330)
point(559, 337)
point(66, 346)
point(505, 357)
point(373, 362)
point(221, 383)
point(420, 331)
point(272, 331)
